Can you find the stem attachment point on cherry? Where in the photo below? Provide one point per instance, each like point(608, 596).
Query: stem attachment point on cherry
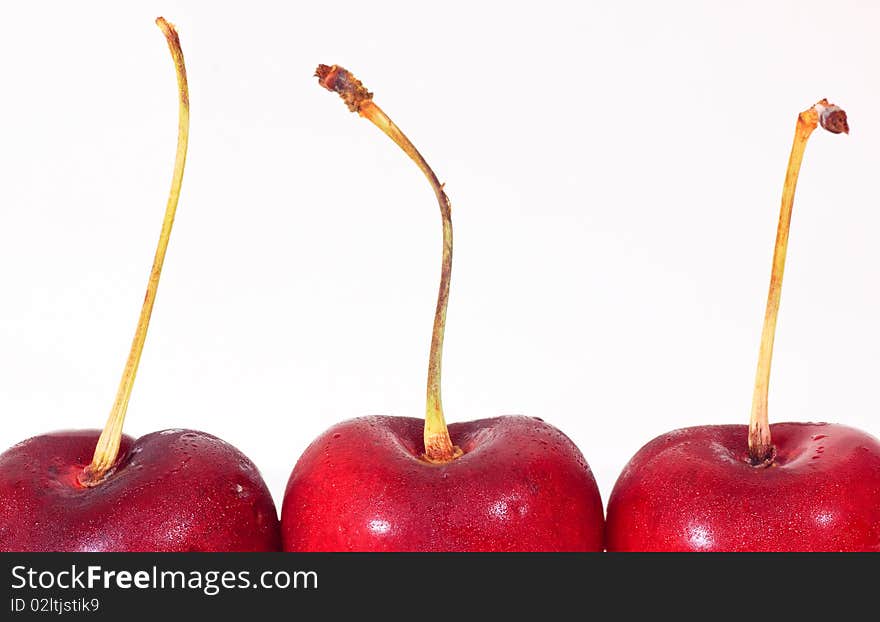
point(438, 444)
point(833, 119)
point(107, 449)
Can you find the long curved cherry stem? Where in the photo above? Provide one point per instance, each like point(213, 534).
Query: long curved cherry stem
point(438, 444)
point(107, 448)
point(834, 120)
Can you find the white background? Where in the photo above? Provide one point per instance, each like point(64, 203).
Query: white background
point(615, 171)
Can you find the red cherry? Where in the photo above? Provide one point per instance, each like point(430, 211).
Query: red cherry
point(519, 485)
point(400, 484)
point(786, 487)
point(697, 489)
point(177, 490)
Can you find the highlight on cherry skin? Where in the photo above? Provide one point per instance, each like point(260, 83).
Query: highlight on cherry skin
point(100, 490)
point(384, 483)
point(761, 487)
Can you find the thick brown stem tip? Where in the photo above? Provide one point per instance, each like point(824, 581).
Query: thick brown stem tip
point(339, 80)
point(832, 117)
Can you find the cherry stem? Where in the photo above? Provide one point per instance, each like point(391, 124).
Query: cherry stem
point(107, 449)
point(834, 120)
point(438, 444)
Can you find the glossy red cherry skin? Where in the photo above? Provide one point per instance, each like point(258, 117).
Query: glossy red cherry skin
point(175, 490)
point(521, 485)
point(695, 490)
